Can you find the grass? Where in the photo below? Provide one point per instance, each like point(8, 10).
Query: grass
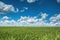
point(29, 33)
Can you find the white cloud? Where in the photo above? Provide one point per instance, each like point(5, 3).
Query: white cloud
point(31, 1)
point(32, 21)
point(4, 8)
point(44, 15)
point(8, 23)
point(27, 20)
point(55, 19)
point(5, 18)
point(24, 9)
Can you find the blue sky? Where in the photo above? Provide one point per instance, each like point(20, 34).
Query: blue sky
point(42, 11)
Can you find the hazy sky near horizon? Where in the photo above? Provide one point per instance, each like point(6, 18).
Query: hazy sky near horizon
point(30, 12)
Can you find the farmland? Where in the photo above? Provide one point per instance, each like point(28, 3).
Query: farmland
point(29, 33)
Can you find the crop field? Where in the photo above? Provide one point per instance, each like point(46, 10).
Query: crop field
point(29, 33)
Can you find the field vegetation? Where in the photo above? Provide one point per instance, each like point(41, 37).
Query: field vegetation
point(29, 33)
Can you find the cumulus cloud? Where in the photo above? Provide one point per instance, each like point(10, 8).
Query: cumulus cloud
point(31, 1)
point(4, 8)
point(44, 15)
point(32, 21)
point(55, 19)
point(27, 20)
point(5, 17)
